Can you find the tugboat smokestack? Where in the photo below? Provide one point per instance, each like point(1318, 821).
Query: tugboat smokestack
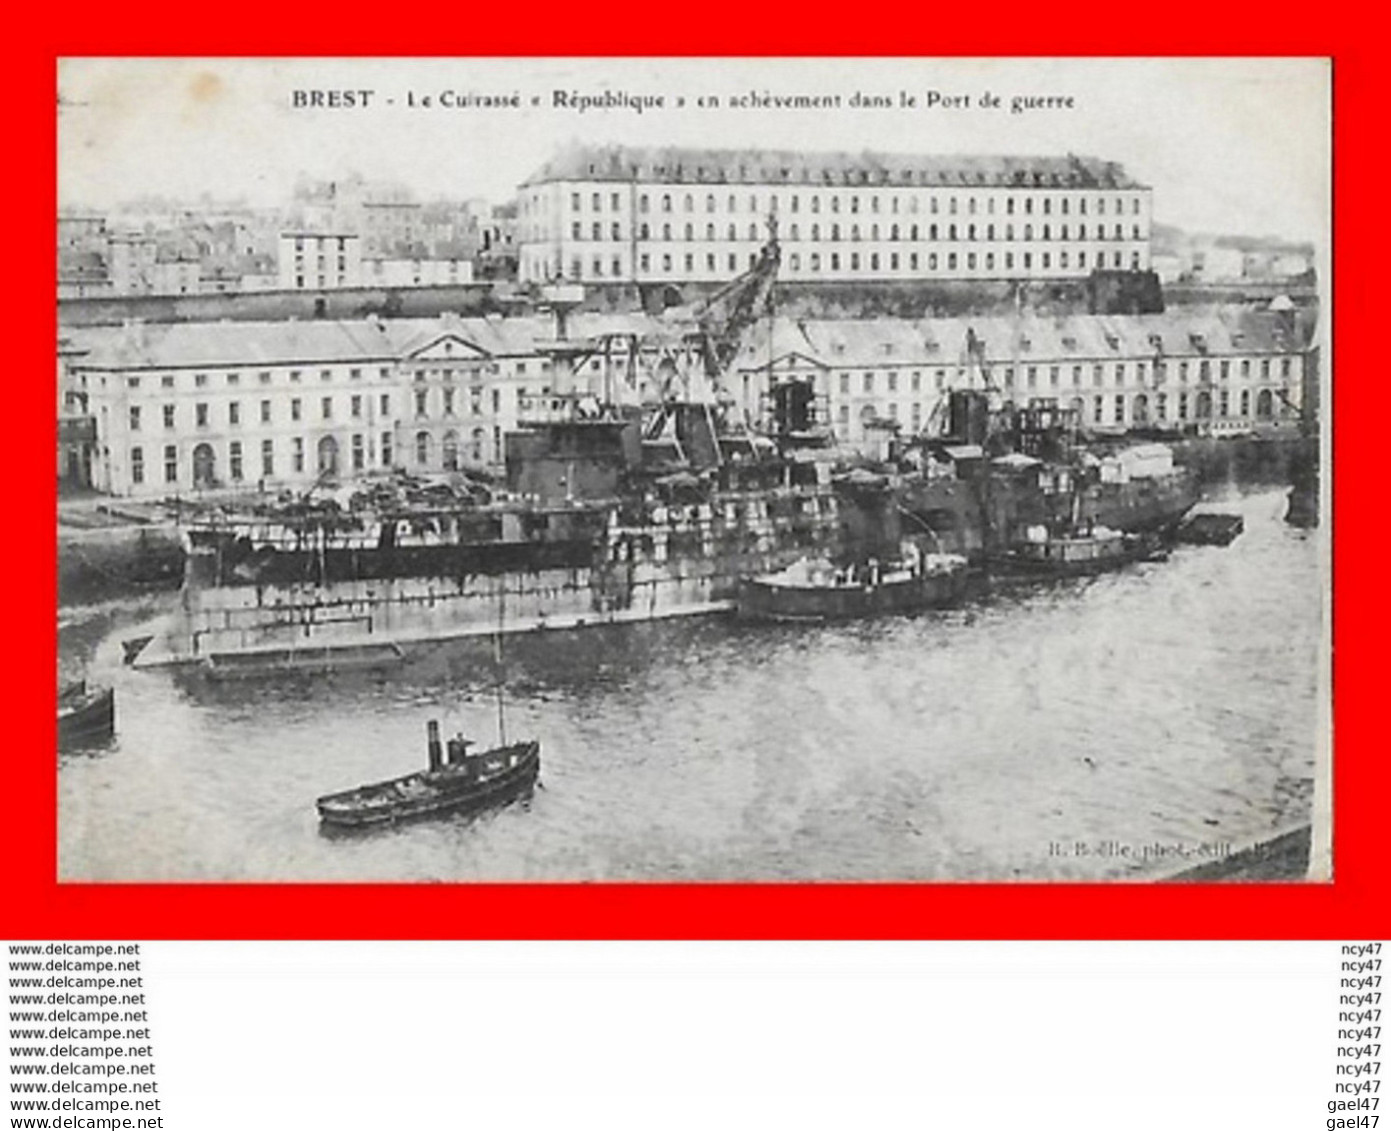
point(432, 733)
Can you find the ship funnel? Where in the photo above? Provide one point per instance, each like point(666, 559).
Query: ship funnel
point(432, 734)
point(563, 299)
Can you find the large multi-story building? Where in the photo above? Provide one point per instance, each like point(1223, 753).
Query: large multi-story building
point(319, 260)
point(196, 406)
point(1227, 370)
point(621, 214)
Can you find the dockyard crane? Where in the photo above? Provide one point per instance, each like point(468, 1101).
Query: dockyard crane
point(720, 323)
point(726, 314)
point(707, 336)
point(973, 359)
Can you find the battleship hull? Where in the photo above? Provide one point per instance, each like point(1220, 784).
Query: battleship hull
point(253, 590)
point(257, 587)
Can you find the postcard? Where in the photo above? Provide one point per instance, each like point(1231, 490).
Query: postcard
point(694, 470)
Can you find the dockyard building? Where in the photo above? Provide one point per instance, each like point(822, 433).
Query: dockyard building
point(198, 406)
point(190, 407)
point(187, 407)
point(1215, 372)
point(624, 214)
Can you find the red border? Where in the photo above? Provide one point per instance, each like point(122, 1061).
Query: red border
point(34, 906)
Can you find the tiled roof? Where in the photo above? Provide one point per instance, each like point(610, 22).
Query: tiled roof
point(234, 344)
point(834, 343)
point(770, 166)
point(191, 344)
point(867, 343)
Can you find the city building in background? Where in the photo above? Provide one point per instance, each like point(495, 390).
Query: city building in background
point(320, 260)
point(638, 214)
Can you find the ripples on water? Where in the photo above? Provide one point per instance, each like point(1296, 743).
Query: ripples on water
point(1170, 703)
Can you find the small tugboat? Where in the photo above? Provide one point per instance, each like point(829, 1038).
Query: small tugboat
point(1076, 554)
point(815, 590)
point(86, 716)
point(456, 781)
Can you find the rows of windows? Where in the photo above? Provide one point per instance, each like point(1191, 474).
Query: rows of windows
point(320, 242)
point(476, 399)
point(1050, 376)
point(233, 378)
point(874, 233)
point(203, 460)
point(425, 401)
point(1079, 259)
point(1117, 409)
point(870, 382)
point(1201, 371)
point(321, 264)
point(1203, 405)
point(1210, 397)
point(1061, 204)
point(296, 376)
point(358, 406)
point(234, 413)
point(710, 261)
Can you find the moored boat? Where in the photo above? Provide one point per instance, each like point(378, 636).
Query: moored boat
point(457, 780)
point(1210, 528)
point(1078, 553)
point(815, 590)
point(86, 716)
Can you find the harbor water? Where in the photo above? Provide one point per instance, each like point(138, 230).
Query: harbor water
point(1117, 727)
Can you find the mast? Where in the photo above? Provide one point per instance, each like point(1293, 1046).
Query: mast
point(772, 381)
point(498, 674)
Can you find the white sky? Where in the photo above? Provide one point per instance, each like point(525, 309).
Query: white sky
point(1229, 145)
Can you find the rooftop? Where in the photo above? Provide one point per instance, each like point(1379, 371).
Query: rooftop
point(80, 266)
point(147, 345)
point(874, 342)
point(685, 165)
point(831, 343)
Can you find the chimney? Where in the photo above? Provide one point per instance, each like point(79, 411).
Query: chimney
point(432, 735)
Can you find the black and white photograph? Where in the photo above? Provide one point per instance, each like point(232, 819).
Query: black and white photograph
point(777, 470)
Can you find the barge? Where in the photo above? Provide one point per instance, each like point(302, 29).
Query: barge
point(818, 591)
